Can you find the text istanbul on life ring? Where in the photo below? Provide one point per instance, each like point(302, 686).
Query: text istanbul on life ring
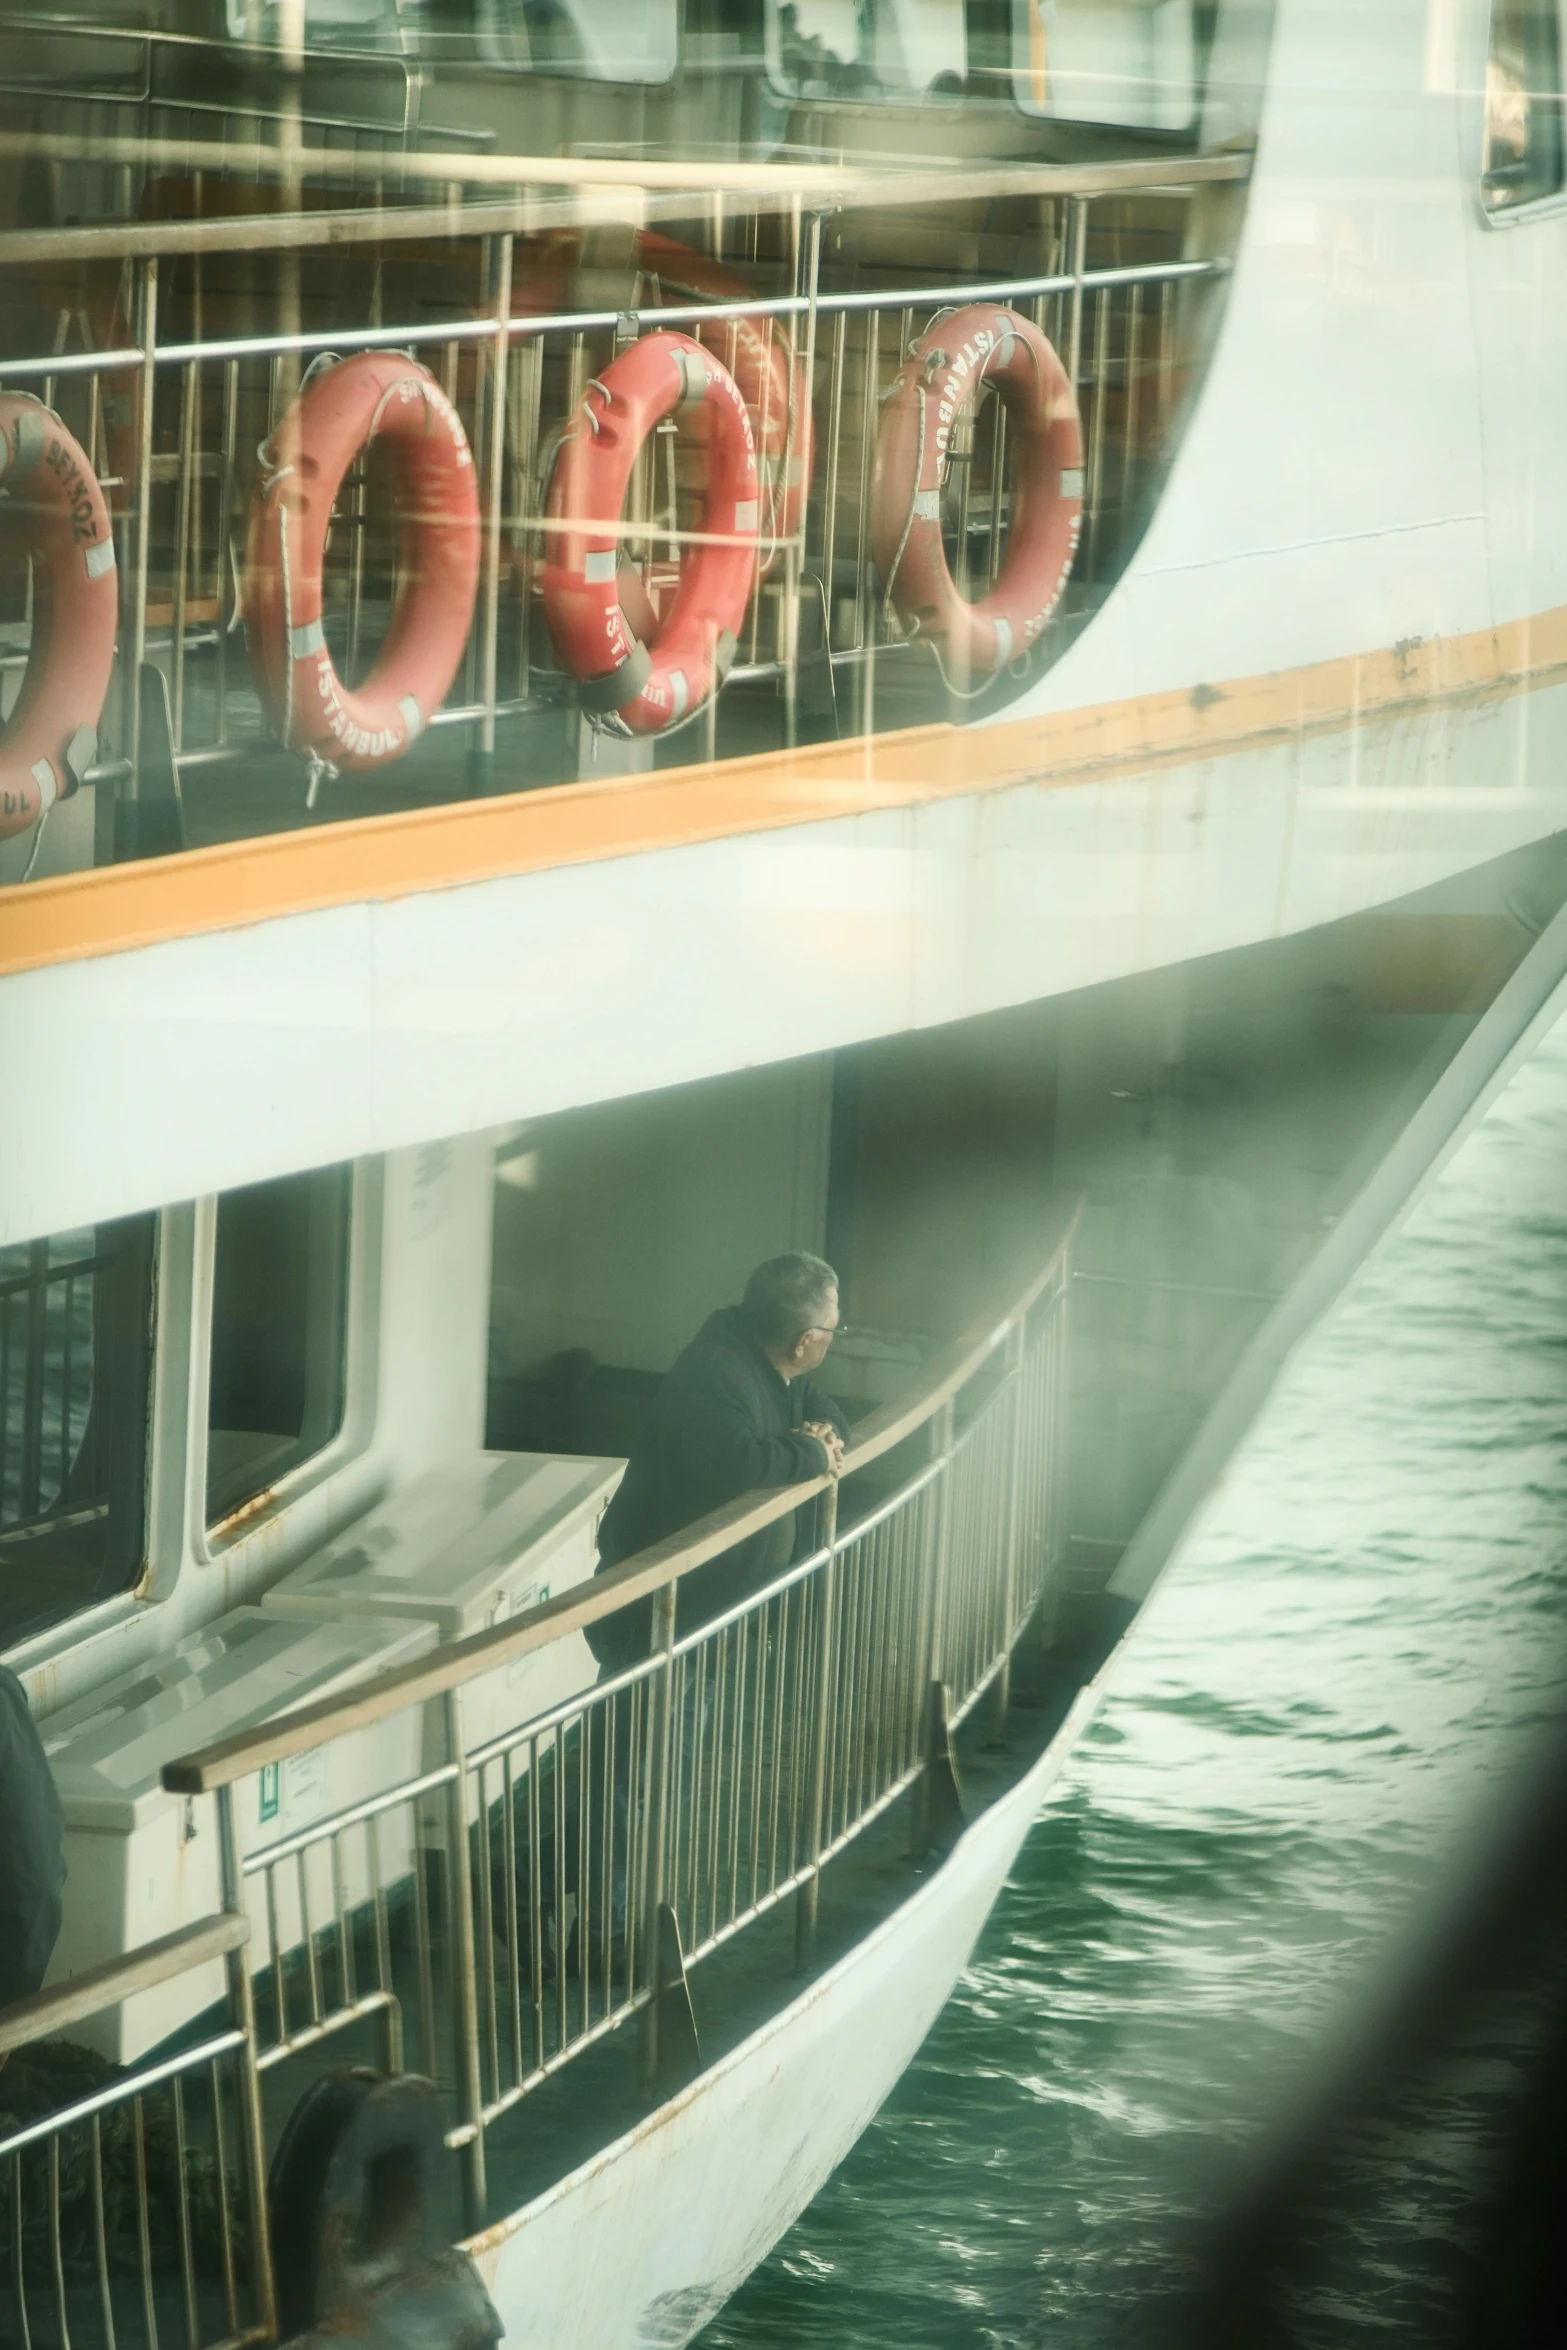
point(644, 682)
point(49, 492)
point(981, 347)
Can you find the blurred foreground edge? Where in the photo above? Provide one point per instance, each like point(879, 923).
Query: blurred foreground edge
point(1487, 1978)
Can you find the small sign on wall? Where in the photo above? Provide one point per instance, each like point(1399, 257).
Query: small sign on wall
point(298, 1783)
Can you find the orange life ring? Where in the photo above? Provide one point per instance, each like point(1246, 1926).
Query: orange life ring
point(375, 395)
point(651, 680)
point(760, 355)
point(50, 739)
point(980, 345)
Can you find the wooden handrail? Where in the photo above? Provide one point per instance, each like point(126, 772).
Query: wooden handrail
point(537, 194)
point(98, 1987)
point(638, 1577)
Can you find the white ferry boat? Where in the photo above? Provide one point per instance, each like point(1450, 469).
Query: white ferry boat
point(932, 631)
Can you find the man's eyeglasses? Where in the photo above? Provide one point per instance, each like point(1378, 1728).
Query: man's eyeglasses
point(820, 1330)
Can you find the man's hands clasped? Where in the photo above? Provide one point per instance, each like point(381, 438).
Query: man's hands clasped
point(830, 1441)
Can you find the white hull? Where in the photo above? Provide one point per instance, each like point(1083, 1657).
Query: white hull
point(642, 2245)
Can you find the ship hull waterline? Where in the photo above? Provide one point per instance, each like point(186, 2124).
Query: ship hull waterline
point(644, 2243)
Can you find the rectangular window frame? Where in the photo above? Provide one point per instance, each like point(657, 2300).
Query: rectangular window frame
point(1023, 16)
point(1510, 216)
point(144, 1268)
point(873, 92)
point(493, 50)
point(356, 1431)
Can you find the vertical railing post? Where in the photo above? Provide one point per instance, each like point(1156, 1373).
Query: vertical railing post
point(662, 1735)
point(182, 535)
point(1060, 1453)
point(465, 1988)
point(125, 827)
point(1015, 1352)
point(807, 1900)
point(242, 2015)
point(30, 1497)
point(941, 1431)
point(483, 765)
point(932, 1649)
point(1077, 233)
point(1094, 508)
point(807, 251)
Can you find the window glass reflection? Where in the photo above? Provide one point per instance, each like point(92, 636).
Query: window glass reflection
point(1523, 104)
point(75, 1366)
point(279, 1333)
point(597, 40)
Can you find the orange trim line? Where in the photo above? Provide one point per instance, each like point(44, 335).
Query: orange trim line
point(114, 908)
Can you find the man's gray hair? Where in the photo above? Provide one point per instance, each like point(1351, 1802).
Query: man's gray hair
point(786, 1297)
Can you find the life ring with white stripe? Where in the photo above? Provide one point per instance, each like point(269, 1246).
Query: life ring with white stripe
point(759, 353)
point(640, 678)
point(49, 489)
point(982, 345)
point(376, 395)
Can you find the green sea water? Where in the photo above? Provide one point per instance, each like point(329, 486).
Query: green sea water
point(1344, 1667)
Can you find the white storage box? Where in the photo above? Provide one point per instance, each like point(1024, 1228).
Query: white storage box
point(142, 1862)
point(473, 1541)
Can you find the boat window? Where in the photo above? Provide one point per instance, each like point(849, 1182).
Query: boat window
point(279, 1333)
point(866, 48)
point(75, 1374)
point(348, 23)
point(1132, 62)
point(597, 40)
point(1523, 105)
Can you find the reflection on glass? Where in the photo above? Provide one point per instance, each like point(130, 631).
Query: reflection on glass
point(1086, 61)
point(596, 40)
point(1523, 105)
point(75, 1354)
point(751, 149)
point(279, 1333)
point(327, 23)
point(867, 48)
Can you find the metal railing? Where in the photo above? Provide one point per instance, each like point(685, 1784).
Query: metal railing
point(500, 1912)
point(173, 365)
point(126, 80)
point(135, 2209)
point(46, 1380)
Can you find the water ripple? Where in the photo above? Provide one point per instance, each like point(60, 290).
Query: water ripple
point(1349, 1657)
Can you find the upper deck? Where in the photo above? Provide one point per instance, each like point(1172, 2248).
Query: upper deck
point(1309, 655)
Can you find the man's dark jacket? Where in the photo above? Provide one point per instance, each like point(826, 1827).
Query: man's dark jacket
point(32, 1848)
point(724, 1420)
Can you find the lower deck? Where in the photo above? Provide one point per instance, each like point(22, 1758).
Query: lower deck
point(1210, 1126)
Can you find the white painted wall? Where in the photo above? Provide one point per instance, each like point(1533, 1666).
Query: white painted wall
point(1377, 449)
point(621, 1226)
point(371, 1028)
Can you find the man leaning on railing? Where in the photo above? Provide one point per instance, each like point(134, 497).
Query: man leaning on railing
point(739, 1410)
